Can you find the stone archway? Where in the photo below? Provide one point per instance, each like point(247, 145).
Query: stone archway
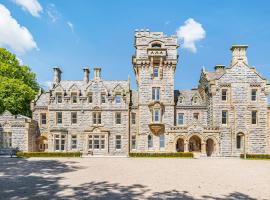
point(180, 145)
point(194, 144)
point(210, 147)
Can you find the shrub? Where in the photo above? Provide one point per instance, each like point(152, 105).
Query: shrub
point(256, 156)
point(163, 155)
point(47, 154)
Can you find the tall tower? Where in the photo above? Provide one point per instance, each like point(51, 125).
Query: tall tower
point(154, 65)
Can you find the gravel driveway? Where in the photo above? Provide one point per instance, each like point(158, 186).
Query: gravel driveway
point(134, 178)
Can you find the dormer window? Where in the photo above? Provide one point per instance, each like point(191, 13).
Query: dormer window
point(156, 70)
point(103, 98)
point(196, 116)
point(59, 98)
point(74, 98)
point(181, 99)
point(118, 99)
point(90, 98)
point(195, 100)
point(156, 45)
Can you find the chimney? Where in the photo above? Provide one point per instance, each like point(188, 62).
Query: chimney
point(219, 68)
point(97, 73)
point(239, 53)
point(57, 74)
point(86, 73)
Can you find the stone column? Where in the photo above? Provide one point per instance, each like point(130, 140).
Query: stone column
point(185, 146)
point(203, 148)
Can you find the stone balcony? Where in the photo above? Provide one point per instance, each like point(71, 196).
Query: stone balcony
point(157, 128)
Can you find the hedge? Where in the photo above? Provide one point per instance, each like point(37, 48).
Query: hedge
point(256, 156)
point(47, 154)
point(163, 155)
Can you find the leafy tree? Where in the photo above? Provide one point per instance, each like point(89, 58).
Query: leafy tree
point(18, 85)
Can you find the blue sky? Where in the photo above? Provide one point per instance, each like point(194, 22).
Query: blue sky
point(77, 33)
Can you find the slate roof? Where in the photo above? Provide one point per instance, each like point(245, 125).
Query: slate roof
point(187, 96)
point(214, 75)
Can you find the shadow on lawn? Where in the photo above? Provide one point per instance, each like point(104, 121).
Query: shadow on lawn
point(39, 179)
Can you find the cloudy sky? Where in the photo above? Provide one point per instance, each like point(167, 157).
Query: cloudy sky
point(73, 34)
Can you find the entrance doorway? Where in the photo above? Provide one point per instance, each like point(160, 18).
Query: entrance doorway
point(194, 144)
point(209, 147)
point(180, 145)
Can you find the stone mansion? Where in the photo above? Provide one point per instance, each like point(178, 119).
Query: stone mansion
point(225, 115)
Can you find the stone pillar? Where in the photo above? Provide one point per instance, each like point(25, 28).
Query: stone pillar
point(185, 146)
point(203, 148)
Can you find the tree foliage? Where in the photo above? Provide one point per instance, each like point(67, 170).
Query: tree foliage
point(18, 85)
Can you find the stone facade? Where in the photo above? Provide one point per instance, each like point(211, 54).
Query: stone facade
point(17, 132)
point(227, 114)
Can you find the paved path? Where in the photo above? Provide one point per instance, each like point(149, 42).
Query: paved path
point(134, 178)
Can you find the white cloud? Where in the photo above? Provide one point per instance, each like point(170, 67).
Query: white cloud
point(190, 33)
point(13, 35)
point(32, 6)
point(71, 26)
point(53, 13)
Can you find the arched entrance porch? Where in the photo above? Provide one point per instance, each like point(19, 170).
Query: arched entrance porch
point(194, 144)
point(180, 145)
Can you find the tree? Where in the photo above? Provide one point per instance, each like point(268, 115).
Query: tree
point(18, 85)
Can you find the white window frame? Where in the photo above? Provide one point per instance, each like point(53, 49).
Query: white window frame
point(118, 118)
point(118, 142)
point(156, 94)
point(178, 118)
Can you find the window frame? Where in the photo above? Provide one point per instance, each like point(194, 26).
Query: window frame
point(42, 119)
point(133, 142)
point(226, 95)
point(73, 138)
point(156, 71)
point(59, 98)
point(156, 93)
point(118, 98)
point(118, 142)
point(158, 112)
point(178, 115)
point(162, 141)
point(252, 95)
point(103, 98)
point(133, 118)
point(256, 117)
point(58, 117)
point(72, 117)
point(118, 118)
point(226, 117)
point(150, 142)
point(97, 118)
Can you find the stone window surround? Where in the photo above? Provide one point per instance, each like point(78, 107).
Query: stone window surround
point(133, 118)
point(118, 98)
point(180, 112)
point(256, 94)
point(156, 94)
point(74, 98)
point(57, 117)
point(162, 141)
point(102, 98)
point(133, 142)
point(59, 97)
point(118, 118)
point(227, 118)
point(150, 142)
point(118, 142)
point(254, 110)
point(74, 138)
point(62, 138)
point(97, 118)
point(90, 97)
point(73, 117)
point(42, 119)
point(222, 95)
point(101, 138)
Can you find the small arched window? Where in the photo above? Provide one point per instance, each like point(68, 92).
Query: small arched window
point(195, 100)
point(181, 99)
point(239, 140)
point(156, 45)
point(150, 141)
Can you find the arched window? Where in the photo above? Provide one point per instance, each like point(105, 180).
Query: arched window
point(239, 140)
point(156, 45)
point(181, 100)
point(150, 141)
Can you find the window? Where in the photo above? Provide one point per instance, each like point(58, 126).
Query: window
point(161, 141)
point(97, 118)
point(59, 98)
point(156, 72)
point(96, 142)
point(224, 95)
point(155, 94)
point(156, 115)
point(59, 118)
point(103, 98)
point(60, 142)
point(133, 118)
point(196, 116)
point(133, 142)
point(74, 118)
point(181, 100)
point(74, 141)
point(150, 141)
point(239, 141)
point(90, 142)
point(254, 117)
point(43, 118)
point(180, 119)
point(5, 140)
point(74, 98)
point(118, 99)
point(156, 45)
point(90, 98)
point(118, 141)
point(253, 95)
point(224, 117)
point(195, 100)
point(118, 118)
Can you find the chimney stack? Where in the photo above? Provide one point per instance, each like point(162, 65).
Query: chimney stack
point(239, 53)
point(97, 73)
point(86, 73)
point(219, 68)
point(57, 74)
